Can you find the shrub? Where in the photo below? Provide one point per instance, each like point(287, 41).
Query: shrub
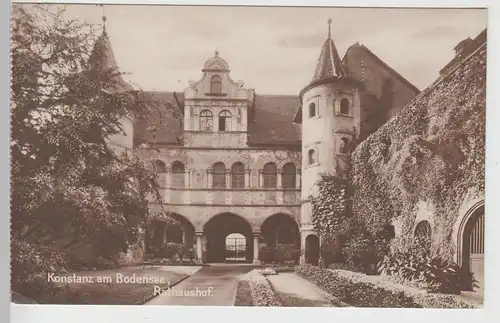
point(354, 293)
point(431, 273)
point(422, 297)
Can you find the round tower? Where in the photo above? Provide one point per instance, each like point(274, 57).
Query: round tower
point(330, 117)
point(103, 56)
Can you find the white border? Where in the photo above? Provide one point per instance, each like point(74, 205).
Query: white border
point(81, 313)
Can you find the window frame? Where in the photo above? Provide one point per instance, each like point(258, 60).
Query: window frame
point(216, 80)
point(226, 117)
point(218, 173)
point(208, 116)
point(270, 176)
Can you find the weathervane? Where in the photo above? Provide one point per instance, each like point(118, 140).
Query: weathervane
point(329, 28)
point(104, 18)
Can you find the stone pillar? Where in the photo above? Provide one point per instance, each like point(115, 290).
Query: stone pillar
point(168, 180)
point(210, 177)
point(187, 178)
point(261, 178)
point(247, 178)
point(199, 250)
point(297, 178)
point(256, 236)
point(280, 179)
point(228, 178)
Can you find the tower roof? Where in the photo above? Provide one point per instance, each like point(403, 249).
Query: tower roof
point(102, 57)
point(329, 62)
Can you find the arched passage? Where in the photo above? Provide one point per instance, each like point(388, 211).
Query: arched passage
point(472, 242)
point(218, 228)
point(312, 249)
point(280, 233)
point(161, 232)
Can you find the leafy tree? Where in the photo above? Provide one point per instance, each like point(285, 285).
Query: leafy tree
point(69, 188)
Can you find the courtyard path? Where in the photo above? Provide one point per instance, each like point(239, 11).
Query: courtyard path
point(213, 286)
point(298, 292)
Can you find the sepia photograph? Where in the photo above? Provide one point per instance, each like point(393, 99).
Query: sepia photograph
point(247, 156)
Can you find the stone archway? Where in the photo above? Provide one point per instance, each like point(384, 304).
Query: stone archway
point(221, 226)
point(471, 243)
point(160, 233)
point(312, 249)
point(281, 235)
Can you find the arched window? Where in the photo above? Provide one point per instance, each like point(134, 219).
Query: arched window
point(219, 176)
point(311, 157)
point(161, 170)
point(344, 145)
point(206, 120)
point(270, 174)
point(238, 175)
point(174, 233)
point(423, 234)
point(216, 84)
point(178, 174)
point(289, 175)
point(225, 121)
point(344, 106)
point(312, 109)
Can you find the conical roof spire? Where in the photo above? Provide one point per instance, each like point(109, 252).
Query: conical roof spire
point(329, 62)
point(103, 57)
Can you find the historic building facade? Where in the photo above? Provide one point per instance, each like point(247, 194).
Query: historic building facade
point(232, 160)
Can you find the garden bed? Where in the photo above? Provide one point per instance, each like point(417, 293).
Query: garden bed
point(362, 290)
point(422, 297)
point(261, 292)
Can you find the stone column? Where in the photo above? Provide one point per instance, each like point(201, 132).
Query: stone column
point(168, 180)
point(297, 178)
point(247, 178)
point(256, 236)
point(199, 250)
point(228, 178)
point(280, 179)
point(187, 178)
point(261, 178)
point(210, 176)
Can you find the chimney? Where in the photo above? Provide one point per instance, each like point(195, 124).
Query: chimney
point(461, 45)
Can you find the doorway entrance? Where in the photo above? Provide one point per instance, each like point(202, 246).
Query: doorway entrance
point(312, 249)
point(229, 238)
point(473, 246)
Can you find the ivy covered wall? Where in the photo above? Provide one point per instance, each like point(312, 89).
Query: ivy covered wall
point(432, 152)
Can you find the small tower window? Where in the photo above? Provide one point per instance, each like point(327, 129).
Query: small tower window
point(206, 120)
point(344, 106)
point(344, 145)
point(216, 84)
point(312, 110)
point(312, 157)
point(225, 121)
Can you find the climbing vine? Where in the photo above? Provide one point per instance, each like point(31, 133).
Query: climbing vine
point(432, 151)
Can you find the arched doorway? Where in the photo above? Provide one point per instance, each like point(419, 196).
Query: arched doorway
point(312, 249)
point(281, 235)
point(218, 228)
point(473, 245)
point(161, 232)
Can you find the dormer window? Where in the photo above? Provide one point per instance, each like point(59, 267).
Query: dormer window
point(206, 120)
point(216, 84)
point(225, 121)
